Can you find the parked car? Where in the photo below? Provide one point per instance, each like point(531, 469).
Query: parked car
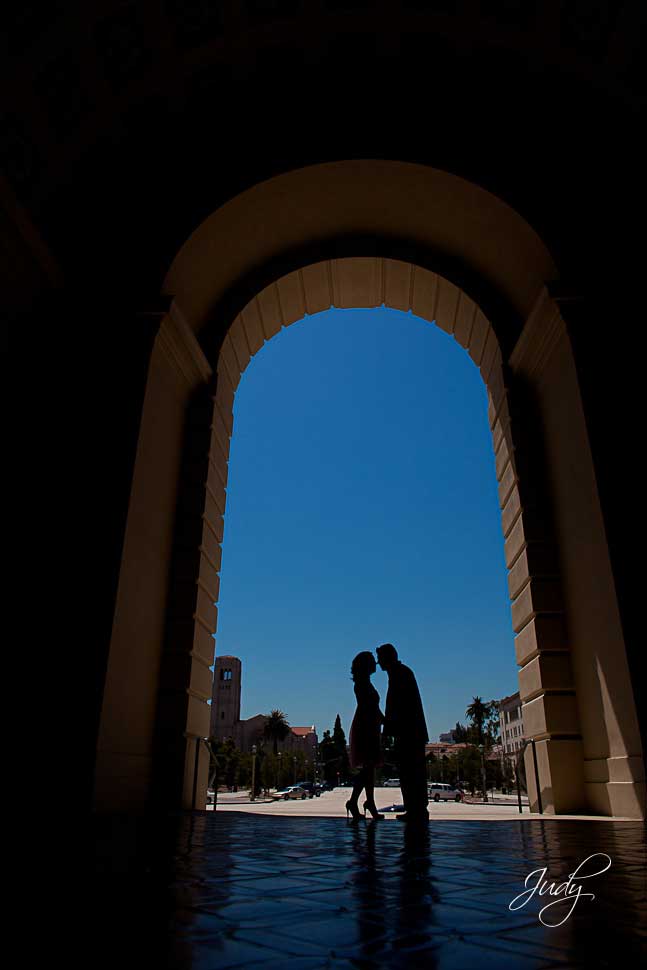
point(325, 786)
point(392, 783)
point(309, 787)
point(293, 791)
point(446, 793)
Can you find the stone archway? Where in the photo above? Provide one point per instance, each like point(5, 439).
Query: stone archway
point(530, 550)
point(586, 730)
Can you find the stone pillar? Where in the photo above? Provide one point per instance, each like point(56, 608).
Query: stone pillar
point(603, 358)
point(148, 688)
point(185, 680)
point(574, 679)
point(545, 680)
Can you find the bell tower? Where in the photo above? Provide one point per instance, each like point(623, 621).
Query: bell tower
point(225, 697)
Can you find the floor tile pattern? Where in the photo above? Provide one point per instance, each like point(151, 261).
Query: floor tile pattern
point(211, 892)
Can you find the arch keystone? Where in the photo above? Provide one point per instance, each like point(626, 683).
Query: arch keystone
point(356, 282)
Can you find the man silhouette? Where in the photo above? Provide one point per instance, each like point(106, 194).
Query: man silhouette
point(404, 721)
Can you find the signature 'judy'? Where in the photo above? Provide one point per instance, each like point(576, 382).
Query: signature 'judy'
point(567, 893)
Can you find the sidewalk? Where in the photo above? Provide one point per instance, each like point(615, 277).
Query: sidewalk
point(389, 800)
point(496, 799)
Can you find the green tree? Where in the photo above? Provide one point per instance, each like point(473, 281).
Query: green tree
point(339, 740)
point(434, 768)
point(276, 729)
point(492, 725)
point(216, 762)
point(301, 771)
point(480, 714)
point(471, 768)
point(266, 770)
point(224, 762)
point(329, 758)
point(245, 770)
point(455, 767)
point(260, 770)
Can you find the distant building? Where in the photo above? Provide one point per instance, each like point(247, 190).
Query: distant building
point(495, 753)
point(304, 739)
point(438, 749)
point(511, 725)
point(225, 697)
point(251, 731)
point(448, 738)
point(225, 715)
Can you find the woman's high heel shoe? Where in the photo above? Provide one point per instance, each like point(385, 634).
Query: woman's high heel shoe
point(353, 811)
point(372, 809)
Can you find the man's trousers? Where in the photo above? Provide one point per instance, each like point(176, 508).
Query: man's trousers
point(413, 777)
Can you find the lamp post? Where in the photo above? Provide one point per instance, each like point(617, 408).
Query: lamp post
point(278, 781)
point(306, 770)
point(294, 762)
point(251, 794)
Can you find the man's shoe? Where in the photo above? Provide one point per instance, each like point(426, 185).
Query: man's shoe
point(419, 817)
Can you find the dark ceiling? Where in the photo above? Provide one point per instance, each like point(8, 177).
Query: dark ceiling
point(125, 124)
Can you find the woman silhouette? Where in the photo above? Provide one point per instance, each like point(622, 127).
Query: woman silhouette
point(365, 752)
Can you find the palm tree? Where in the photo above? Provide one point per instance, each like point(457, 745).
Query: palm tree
point(276, 729)
point(478, 713)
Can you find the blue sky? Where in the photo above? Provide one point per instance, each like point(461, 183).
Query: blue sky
point(362, 509)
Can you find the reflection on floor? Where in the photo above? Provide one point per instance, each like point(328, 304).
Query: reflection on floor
point(230, 890)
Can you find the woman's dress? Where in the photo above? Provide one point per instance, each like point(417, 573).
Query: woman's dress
point(365, 746)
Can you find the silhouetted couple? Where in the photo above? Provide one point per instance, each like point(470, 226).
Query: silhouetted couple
point(402, 729)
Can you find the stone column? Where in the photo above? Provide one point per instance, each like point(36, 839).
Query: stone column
point(574, 679)
point(546, 683)
point(151, 684)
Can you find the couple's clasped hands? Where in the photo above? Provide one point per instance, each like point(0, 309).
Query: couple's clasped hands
point(388, 741)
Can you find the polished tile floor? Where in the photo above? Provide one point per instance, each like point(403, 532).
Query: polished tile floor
point(234, 890)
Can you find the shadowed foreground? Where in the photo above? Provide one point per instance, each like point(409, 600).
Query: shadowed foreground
point(235, 890)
